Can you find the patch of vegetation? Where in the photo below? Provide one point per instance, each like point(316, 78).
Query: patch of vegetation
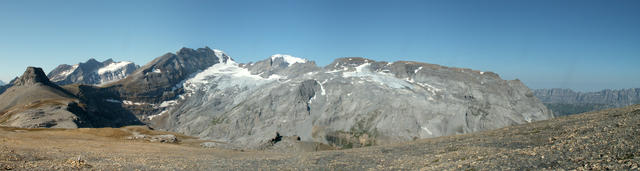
point(217, 120)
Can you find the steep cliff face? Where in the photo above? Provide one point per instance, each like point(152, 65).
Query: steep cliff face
point(92, 72)
point(619, 98)
point(351, 102)
point(565, 101)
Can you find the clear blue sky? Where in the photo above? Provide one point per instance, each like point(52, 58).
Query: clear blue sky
point(579, 44)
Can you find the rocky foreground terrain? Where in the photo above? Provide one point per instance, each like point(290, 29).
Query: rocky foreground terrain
point(607, 139)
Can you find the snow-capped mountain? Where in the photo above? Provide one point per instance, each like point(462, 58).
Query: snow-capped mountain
point(92, 72)
point(161, 79)
point(350, 102)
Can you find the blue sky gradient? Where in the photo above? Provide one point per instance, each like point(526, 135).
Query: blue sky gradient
point(580, 44)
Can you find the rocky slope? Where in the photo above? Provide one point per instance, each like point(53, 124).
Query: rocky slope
point(565, 101)
point(350, 103)
point(157, 80)
point(35, 102)
point(92, 72)
point(604, 140)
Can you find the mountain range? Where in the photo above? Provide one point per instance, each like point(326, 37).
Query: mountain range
point(92, 72)
point(202, 92)
point(566, 101)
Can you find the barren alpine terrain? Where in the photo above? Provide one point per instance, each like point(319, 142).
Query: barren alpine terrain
point(596, 140)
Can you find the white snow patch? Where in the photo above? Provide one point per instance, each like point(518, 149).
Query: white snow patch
point(113, 67)
point(429, 87)
point(168, 103)
point(289, 59)
point(112, 101)
point(322, 92)
point(387, 79)
point(226, 75)
point(424, 128)
point(481, 72)
point(133, 103)
point(157, 71)
point(156, 115)
point(416, 71)
point(218, 52)
point(67, 72)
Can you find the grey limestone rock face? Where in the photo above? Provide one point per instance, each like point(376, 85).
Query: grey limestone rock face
point(617, 98)
point(351, 102)
point(566, 102)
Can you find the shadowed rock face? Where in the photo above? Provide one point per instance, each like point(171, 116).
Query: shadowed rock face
point(349, 103)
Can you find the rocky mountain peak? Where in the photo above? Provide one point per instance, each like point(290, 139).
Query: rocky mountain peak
point(284, 60)
point(108, 61)
point(186, 51)
point(348, 62)
point(205, 49)
point(91, 61)
point(32, 75)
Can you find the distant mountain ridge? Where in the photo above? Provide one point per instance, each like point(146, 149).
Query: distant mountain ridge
point(566, 101)
point(92, 72)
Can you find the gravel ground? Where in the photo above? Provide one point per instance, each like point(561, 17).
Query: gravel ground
point(608, 139)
